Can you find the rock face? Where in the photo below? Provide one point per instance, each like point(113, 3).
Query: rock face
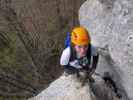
point(110, 24)
point(71, 88)
point(65, 88)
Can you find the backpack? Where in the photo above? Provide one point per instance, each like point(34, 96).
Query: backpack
point(68, 40)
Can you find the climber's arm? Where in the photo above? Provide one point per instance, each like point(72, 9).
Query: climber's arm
point(94, 63)
point(95, 56)
point(69, 67)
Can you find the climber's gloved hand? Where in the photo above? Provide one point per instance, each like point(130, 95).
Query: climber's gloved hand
point(75, 64)
point(89, 76)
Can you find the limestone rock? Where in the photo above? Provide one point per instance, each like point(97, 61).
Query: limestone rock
point(110, 24)
point(65, 88)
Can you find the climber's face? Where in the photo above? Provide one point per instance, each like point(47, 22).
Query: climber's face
point(81, 50)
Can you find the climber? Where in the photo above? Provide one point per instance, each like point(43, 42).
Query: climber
point(81, 55)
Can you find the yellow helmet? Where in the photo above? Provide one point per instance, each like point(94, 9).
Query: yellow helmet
point(80, 36)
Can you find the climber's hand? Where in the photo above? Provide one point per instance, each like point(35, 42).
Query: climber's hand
point(89, 76)
point(91, 72)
